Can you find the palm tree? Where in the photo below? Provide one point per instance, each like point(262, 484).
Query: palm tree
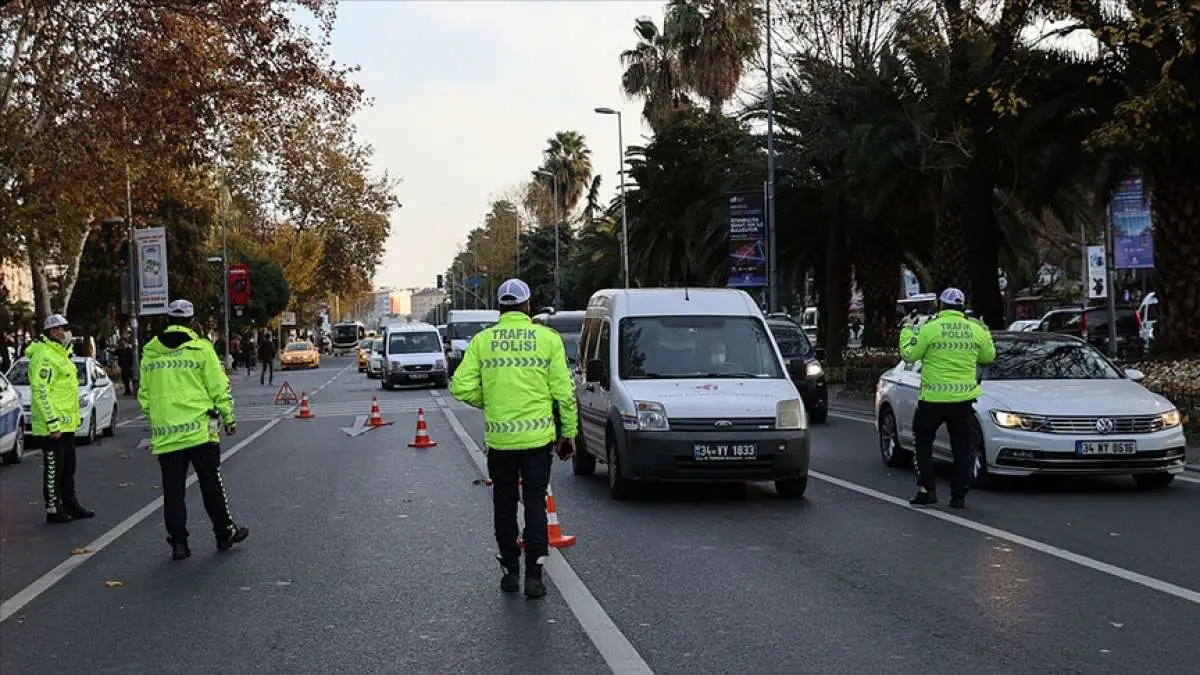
point(715, 40)
point(569, 161)
point(654, 72)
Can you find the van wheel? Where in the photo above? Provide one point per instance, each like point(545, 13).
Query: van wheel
point(619, 487)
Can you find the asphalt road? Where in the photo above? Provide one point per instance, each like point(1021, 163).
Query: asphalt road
point(367, 556)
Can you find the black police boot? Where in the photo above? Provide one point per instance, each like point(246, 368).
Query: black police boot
point(534, 586)
point(924, 498)
point(234, 536)
point(78, 512)
point(58, 517)
point(511, 581)
point(179, 549)
point(958, 502)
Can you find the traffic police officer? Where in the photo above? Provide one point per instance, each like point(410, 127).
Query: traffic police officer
point(516, 371)
point(185, 395)
point(949, 346)
point(54, 390)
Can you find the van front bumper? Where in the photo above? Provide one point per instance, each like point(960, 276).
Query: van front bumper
point(671, 456)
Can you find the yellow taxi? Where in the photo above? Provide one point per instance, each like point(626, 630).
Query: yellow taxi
point(364, 352)
point(301, 354)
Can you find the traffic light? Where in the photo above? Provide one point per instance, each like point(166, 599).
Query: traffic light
point(440, 281)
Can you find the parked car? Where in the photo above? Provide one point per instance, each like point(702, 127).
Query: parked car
point(97, 397)
point(1074, 321)
point(1052, 404)
point(12, 424)
point(803, 362)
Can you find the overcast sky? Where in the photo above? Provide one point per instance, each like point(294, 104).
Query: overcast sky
point(466, 94)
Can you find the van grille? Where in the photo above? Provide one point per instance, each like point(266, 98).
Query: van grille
point(710, 424)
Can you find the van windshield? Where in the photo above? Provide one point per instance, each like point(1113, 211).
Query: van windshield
point(414, 343)
point(467, 329)
point(680, 347)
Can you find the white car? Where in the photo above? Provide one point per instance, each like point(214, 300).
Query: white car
point(1024, 325)
point(375, 359)
point(97, 397)
point(1052, 405)
point(12, 424)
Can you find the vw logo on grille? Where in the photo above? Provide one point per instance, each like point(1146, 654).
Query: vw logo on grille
point(1104, 425)
point(722, 424)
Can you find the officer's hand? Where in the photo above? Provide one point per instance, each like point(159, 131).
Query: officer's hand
point(55, 435)
point(565, 449)
point(230, 429)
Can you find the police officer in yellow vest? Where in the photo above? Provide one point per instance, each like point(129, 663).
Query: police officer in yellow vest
point(185, 395)
point(949, 346)
point(54, 407)
point(516, 371)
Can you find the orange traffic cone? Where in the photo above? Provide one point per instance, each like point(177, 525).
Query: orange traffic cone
point(421, 440)
point(305, 413)
point(553, 528)
point(376, 419)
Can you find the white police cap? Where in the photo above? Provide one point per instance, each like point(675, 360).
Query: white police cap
point(180, 309)
point(55, 321)
point(953, 296)
point(513, 292)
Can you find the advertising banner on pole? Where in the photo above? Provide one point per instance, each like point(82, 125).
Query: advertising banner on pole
point(747, 240)
point(154, 291)
point(239, 285)
point(1129, 213)
point(1097, 273)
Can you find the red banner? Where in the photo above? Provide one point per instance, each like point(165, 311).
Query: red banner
point(239, 285)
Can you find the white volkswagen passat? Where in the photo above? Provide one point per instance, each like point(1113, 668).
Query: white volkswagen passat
point(1051, 405)
point(97, 397)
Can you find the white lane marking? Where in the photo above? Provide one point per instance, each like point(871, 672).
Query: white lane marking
point(612, 644)
point(1054, 551)
point(856, 417)
point(45, 582)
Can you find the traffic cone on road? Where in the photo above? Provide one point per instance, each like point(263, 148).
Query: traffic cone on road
point(305, 413)
point(376, 419)
point(421, 440)
point(554, 534)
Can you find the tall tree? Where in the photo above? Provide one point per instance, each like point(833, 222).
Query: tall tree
point(654, 73)
point(716, 38)
point(568, 161)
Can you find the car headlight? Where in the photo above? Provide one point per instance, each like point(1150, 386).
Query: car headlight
point(1011, 420)
point(1171, 418)
point(440, 364)
point(789, 414)
point(813, 369)
point(652, 416)
point(84, 401)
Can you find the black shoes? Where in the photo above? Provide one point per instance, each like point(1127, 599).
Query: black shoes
point(534, 586)
point(58, 517)
point(958, 502)
point(79, 513)
point(180, 550)
point(235, 536)
point(68, 514)
point(923, 498)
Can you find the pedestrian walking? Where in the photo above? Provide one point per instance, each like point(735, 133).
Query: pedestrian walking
point(516, 371)
point(54, 407)
point(266, 355)
point(248, 348)
point(950, 347)
point(185, 395)
point(125, 362)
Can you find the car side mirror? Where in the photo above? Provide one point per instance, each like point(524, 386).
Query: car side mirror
point(595, 371)
point(1134, 374)
point(819, 353)
point(100, 382)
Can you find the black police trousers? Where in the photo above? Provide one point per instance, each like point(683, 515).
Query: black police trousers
point(58, 472)
point(206, 460)
point(958, 418)
point(531, 469)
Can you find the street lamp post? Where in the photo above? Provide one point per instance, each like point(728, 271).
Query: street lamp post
point(135, 279)
point(621, 173)
point(228, 360)
point(772, 268)
point(557, 218)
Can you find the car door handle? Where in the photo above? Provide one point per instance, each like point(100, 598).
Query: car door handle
point(590, 387)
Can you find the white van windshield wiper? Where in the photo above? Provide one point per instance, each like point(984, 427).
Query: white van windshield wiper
point(738, 376)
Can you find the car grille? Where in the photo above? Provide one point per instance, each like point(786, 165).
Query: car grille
point(418, 368)
point(1141, 424)
point(710, 424)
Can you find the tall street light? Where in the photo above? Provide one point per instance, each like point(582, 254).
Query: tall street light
point(224, 262)
point(772, 269)
point(557, 217)
point(621, 170)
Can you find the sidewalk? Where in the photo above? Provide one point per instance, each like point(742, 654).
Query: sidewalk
point(852, 405)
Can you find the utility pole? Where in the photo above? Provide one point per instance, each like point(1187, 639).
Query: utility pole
point(224, 263)
point(135, 279)
point(772, 267)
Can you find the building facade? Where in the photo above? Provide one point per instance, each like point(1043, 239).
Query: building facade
point(17, 281)
point(424, 300)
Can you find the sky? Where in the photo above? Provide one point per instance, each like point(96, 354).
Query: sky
point(465, 96)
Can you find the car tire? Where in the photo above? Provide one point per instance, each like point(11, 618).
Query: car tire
point(1153, 481)
point(792, 488)
point(983, 478)
point(91, 434)
point(111, 429)
point(820, 413)
point(619, 487)
point(890, 449)
point(385, 383)
point(17, 454)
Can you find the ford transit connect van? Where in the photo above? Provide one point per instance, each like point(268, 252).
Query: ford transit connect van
point(412, 354)
point(687, 385)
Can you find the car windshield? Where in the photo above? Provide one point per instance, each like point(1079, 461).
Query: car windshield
point(414, 343)
point(377, 346)
point(654, 347)
point(299, 347)
point(571, 345)
point(19, 373)
point(792, 341)
point(1048, 360)
point(467, 329)
point(345, 333)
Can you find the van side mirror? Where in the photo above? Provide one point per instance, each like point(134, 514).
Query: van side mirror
point(595, 371)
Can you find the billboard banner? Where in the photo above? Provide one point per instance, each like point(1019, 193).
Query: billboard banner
point(747, 240)
point(239, 285)
point(154, 292)
point(1097, 273)
point(1129, 213)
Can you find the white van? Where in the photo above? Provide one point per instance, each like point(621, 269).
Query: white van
point(687, 385)
point(412, 354)
point(462, 325)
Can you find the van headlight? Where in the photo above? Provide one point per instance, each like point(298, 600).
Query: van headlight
point(652, 416)
point(440, 364)
point(813, 369)
point(789, 414)
point(1171, 418)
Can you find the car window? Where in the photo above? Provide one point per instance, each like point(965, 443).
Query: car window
point(1049, 360)
point(414, 343)
point(696, 346)
point(791, 340)
point(299, 346)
